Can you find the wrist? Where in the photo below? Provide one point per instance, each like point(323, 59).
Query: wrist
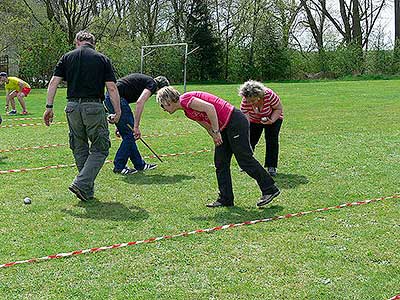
point(49, 106)
point(215, 131)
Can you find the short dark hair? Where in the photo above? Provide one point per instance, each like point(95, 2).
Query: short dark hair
point(161, 81)
point(3, 74)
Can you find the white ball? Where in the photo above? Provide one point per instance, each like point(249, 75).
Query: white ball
point(27, 200)
point(264, 119)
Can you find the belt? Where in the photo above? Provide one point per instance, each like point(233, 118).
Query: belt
point(80, 100)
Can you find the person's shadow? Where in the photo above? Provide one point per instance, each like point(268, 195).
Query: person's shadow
point(113, 211)
point(289, 181)
point(236, 214)
point(143, 178)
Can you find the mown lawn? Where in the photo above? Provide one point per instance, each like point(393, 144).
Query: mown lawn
point(340, 142)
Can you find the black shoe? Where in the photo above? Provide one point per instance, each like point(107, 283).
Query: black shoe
point(78, 193)
point(267, 198)
point(272, 171)
point(217, 204)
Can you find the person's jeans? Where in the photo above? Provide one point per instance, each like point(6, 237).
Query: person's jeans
point(128, 148)
point(236, 142)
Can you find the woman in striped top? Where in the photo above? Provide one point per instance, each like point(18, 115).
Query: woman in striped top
point(264, 110)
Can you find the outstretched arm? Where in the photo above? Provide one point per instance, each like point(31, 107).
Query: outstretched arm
point(139, 110)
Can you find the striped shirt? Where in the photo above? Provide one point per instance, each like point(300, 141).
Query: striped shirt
point(254, 114)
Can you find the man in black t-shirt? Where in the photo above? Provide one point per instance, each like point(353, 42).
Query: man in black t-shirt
point(87, 72)
point(134, 88)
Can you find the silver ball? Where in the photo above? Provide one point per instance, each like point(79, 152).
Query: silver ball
point(27, 200)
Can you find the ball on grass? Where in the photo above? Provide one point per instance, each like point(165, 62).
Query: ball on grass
point(27, 200)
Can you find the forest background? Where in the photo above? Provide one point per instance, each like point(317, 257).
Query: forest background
point(232, 40)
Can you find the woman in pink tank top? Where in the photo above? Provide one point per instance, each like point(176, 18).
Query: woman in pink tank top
point(229, 129)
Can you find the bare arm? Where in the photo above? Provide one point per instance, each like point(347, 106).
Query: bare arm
point(146, 94)
point(209, 109)
point(115, 100)
point(51, 93)
point(276, 112)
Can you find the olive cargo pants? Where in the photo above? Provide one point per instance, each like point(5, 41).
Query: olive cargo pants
point(87, 122)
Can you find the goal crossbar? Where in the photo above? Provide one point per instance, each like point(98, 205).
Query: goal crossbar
point(143, 55)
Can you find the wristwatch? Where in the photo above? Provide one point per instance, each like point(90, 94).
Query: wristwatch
point(49, 105)
point(215, 131)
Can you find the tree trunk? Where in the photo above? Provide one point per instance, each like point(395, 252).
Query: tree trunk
point(397, 19)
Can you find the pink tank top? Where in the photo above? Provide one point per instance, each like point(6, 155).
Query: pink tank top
point(224, 109)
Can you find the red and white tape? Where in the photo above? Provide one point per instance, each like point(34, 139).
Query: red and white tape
point(28, 125)
point(184, 234)
point(395, 297)
point(22, 119)
point(32, 148)
point(107, 161)
point(62, 145)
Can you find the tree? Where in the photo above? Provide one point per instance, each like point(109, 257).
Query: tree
point(200, 33)
point(397, 19)
point(315, 21)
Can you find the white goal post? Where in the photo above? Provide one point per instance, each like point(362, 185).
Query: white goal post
point(144, 54)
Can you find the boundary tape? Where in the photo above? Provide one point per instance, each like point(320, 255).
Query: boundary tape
point(107, 161)
point(22, 119)
point(185, 234)
point(28, 125)
point(62, 145)
point(395, 297)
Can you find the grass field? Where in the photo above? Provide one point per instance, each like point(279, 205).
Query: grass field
point(340, 142)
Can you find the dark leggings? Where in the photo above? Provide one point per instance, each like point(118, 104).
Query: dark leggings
point(271, 133)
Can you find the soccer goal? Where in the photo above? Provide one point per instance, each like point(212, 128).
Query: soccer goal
point(178, 55)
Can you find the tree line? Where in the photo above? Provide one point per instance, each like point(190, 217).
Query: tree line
point(234, 39)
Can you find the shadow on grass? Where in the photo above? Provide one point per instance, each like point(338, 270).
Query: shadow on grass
point(229, 215)
point(143, 178)
point(3, 158)
point(113, 211)
point(290, 181)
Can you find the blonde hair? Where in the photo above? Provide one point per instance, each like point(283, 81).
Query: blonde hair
point(167, 94)
point(251, 89)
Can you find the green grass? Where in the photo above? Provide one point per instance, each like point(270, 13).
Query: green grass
point(340, 142)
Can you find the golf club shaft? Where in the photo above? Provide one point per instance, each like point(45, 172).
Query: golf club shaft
point(130, 127)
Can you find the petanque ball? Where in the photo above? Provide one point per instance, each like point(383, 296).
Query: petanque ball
point(27, 200)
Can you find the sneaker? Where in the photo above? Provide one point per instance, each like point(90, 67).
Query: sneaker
point(267, 198)
point(125, 171)
point(12, 112)
point(78, 193)
point(272, 171)
point(148, 167)
point(24, 112)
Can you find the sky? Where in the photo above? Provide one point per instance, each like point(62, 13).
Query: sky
point(387, 20)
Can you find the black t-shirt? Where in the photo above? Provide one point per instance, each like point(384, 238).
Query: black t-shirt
point(131, 86)
point(86, 72)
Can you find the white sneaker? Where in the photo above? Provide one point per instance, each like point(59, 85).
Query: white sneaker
point(148, 167)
